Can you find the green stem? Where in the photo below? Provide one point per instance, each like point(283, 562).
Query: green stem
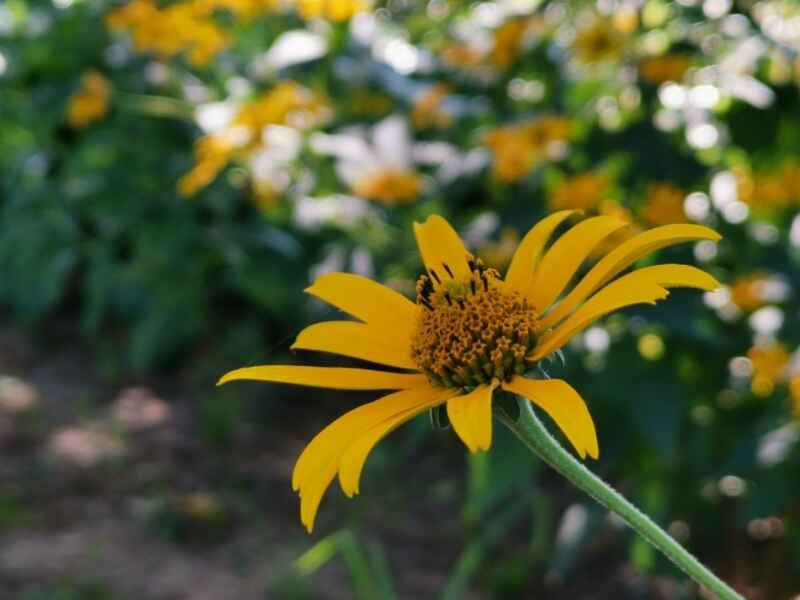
point(533, 434)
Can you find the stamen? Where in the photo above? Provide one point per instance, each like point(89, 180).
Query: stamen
point(446, 268)
point(435, 276)
point(471, 333)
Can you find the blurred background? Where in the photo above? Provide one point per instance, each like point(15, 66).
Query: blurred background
point(174, 173)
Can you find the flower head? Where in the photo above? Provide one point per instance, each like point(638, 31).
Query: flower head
point(469, 333)
point(90, 102)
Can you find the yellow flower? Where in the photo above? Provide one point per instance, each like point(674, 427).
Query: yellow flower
point(333, 10)
point(663, 205)
point(659, 69)
point(469, 333)
point(599, 41)
point(582, 192)
point(183, 27)
point(90, 102)
point(427, 110)
point(518, 148)
point(287, 103)
point(389, 185)
point(508, 39)
point(748, 292)
point(769, 363)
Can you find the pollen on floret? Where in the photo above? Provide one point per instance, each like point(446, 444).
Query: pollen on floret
point(471, 330)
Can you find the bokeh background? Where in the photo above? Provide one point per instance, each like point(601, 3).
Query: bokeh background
point(174, 173)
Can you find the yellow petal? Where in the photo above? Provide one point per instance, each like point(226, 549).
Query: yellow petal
point(373, 303)
point(331, 442)
point(471, 417)
point(352, 462)
point(565, 257)
point(523, 264)
point(357, 340)
point(328, 377)
point(440, 245)
point(321, 459)
point(621, 258)
point(642, 286)
point(565, 406)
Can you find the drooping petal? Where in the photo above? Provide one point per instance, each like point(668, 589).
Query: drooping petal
point(320, 460)
point(621, 258)
point(565, 406)
point(565, 257)
point(358, 340)
point(645, 285)
point(373, 303)
point(440, 245)
point(523, 264)
point(352, 462)
point(328, 377)
point(471, 417)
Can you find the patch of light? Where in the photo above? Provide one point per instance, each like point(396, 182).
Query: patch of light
point(401, 55)
point(667, 119)
point(214, 116)
point(295, 47)
point(723, 189)
point(766, 320)
point(3, 63)
point(717, 298)
point(702, 136)
point(672, 95)
point(740, 366)
point(596, 339)
point(526, 90)
point(765, 234)
point(705, 251)
point(62, 4)
point(714, 9)
point(697, 206)
point(735, 212)
point(704, 96)
point(732, 486)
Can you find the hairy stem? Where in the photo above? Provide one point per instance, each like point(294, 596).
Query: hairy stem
point(530, 430)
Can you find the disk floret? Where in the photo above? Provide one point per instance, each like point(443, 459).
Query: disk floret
point(472, 330)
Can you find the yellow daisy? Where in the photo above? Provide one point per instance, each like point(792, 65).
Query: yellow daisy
point(469, 333)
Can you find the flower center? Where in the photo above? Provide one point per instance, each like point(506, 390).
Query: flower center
point(471, 331)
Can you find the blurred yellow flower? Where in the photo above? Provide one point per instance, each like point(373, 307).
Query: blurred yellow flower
point(469, 333)
point(333, 10)
point(90, 102)
point(461, 55)
point(428, 111)
point(288, 103)
point(769, 365)
point(389, 185)
point(581, 192)
point(508, 42)
point(663, 205)
point(660, 69)
point(771, 191)
point(748, 292)
point(599, 41)
point(183, 27)
point(518, 148)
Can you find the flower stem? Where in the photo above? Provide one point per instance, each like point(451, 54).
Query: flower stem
point(533, 434)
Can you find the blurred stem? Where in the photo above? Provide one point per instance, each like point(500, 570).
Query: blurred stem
point(529, 429)
point(155, 106)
